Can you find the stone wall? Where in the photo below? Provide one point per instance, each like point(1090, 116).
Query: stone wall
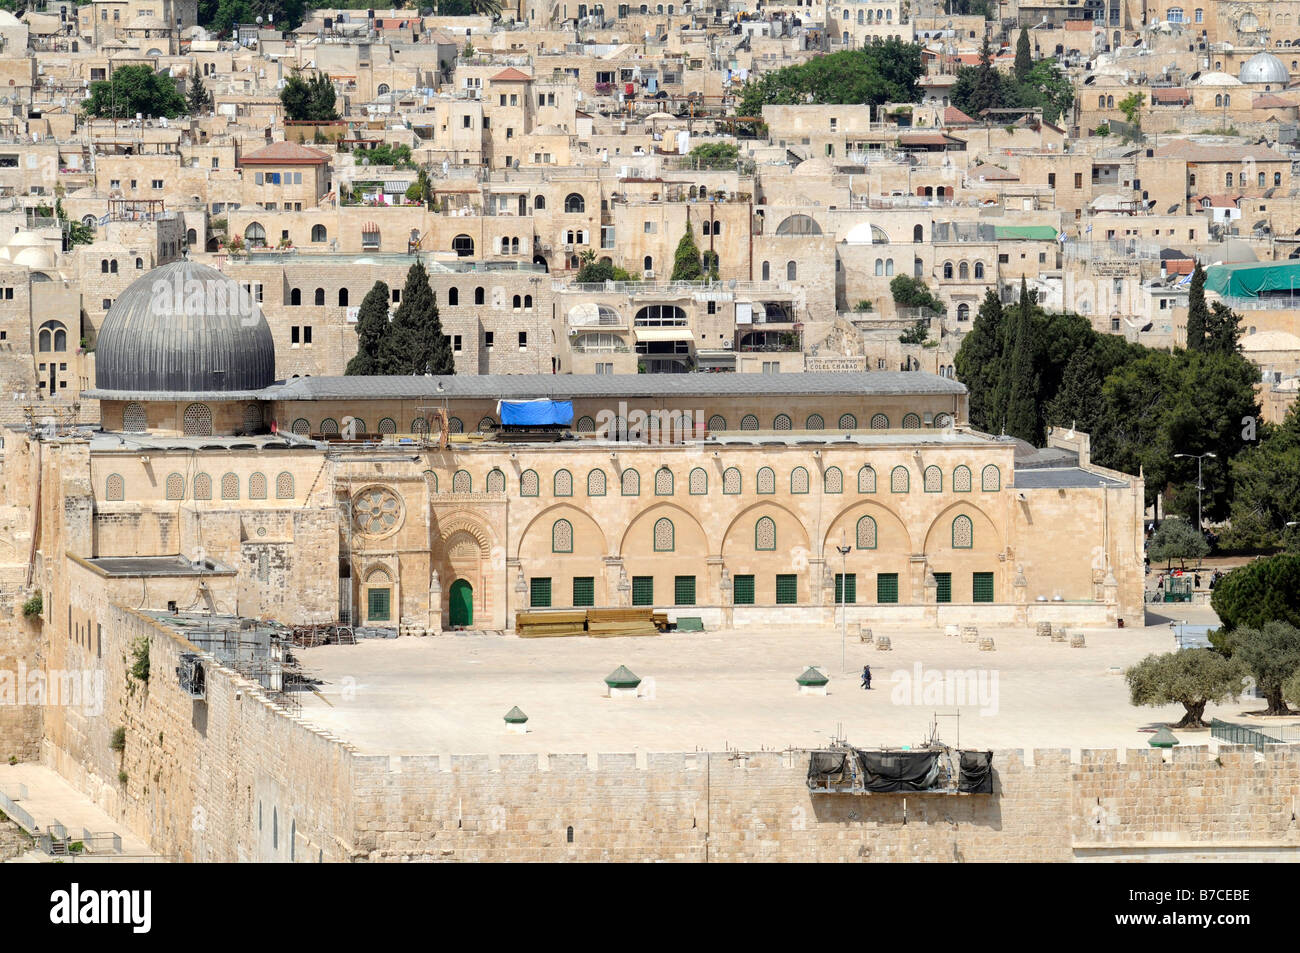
point(234, 777)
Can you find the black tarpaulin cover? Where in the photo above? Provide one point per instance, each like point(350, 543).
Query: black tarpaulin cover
point(976, 772)
point(888, 771)
point(826, 766)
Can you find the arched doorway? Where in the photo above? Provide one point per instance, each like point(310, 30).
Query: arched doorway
point(460, 608)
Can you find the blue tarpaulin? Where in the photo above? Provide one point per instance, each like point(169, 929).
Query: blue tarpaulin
point(534, 413)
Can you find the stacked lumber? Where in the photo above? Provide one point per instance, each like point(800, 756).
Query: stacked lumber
point(609, 623)
point(542, 625)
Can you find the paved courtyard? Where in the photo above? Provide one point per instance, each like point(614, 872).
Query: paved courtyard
point(449, 694)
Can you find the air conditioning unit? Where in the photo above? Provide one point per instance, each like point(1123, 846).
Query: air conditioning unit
point(648, 273)
point(568, 246)
point(728, 345)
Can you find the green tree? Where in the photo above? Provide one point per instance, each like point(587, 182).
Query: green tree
point(309, 100)
point(197, 97)
point(485, 8)
point(686, 260)
point(1223, 328)
point(415, 343)
point(1024, 57)
point(131, 90)
point(715, 155)
point(1131, 107)
point(1198, 313)
point(79, 233)
point(1021, 414)
point(1192, 678)
point(372, 330)
point(877, 74)
point(979, 87)
point(979, 362)
point(1266, 488)
point(916, 334)
point(1177, 539)
point(909, 292)
point(1272, 654)
point(1265, 590)
point(595, 272)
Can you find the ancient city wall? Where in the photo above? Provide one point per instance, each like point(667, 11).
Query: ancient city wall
point(234, 777)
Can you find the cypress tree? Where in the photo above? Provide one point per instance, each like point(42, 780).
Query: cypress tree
point(1022, 379)
point(1224, 329)
point(979, 363)
point(1198, 313)
point(686, 261)
point(987, 91)
point(1024, 60)
point(418, 345)
point(372, 329)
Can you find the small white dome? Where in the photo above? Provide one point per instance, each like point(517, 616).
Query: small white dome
point(1218, 79)
point(1265, 68)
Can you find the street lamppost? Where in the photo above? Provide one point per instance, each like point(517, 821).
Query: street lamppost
point(843, 548)
point(1198, 457)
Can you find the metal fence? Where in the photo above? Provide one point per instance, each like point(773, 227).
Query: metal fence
point(16, 813)
point(1256, 738)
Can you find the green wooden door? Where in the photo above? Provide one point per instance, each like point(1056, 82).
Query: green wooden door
point(461, 609)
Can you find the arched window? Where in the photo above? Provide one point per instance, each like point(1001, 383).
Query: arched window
point(911, 422)
point(814, 422)
point(562, 536)
point(329, 427)
point(562, 483)
point(731, 481)
point(343, 297)
point(114, 488)
point(573, 202)
point(421, 425)
point(318, 233)
point(991, 479)
point(462, 482)
point(198, 421)
point(963, 533)
point(933, 478)
point(453, 297)
point(765, 534)
point(867, 479)
point(255, 235)
point(319, 298)
point(963, 271)
point(979, 269)
point(230, 487)
point(781, 422)
point(918, 234)
point(631, 483)
point(963, 312)
point(766, 481)
point(1218, 99)
point(480, 296)
point(202, 487)
point(880, 267)
point(257, 486)
point(866, 533)
point(767, 271)
point(889, 267)
point(791, 271)
point(717, 423)
point(879, 422)
point(798, 480)
point(516, 302)
point(596, 483)
point(833, 481)
point(961, 479)
point(663, 535)
point(529, 483)
point(539, 202)
point(848, 422)
point(112, 267)
point(947, 270)
point(495, 481)
point(134, 419)
point(284, 486)
point(699, 482)
point(749, 422)
point(295, 297)
point(175, 486)
point(648, 263)
point(586, 425)
point(463, 246)
point(103, 266)
point(900, 480)
point(663, 482)
point(301, 426)
point(799, 225)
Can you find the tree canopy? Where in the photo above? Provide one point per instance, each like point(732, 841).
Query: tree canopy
point(1042, 85)
point(1265, 479)
point(1272, 654)
point(909, 292)
point(879, 73)
point(309, 100)
point(1258, 593)
point(1177, 539)
point(412, 342)
point(1191, 678)
point(134, 89)
point(686, 260)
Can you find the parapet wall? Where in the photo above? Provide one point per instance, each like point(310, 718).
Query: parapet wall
point(235, 777)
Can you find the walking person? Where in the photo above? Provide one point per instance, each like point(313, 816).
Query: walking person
point(866, 677)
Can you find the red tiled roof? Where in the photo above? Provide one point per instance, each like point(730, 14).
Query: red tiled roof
point(952, 116)
point(511, 75)
point(1179, 266)
point(285, 153)
point(1271, 101)
point(1174, 94)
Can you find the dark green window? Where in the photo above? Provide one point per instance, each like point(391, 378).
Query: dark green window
point(943, 591)
point(744, 590)
point(887, 587)
point(846, 588)
point(684, 590)
point(540, 597)
point(982, 586)
point(787, 589)
point(584, 591)
point(643, 590)
point(378, 604)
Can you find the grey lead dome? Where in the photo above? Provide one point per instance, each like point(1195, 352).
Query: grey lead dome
point(1265, 68)
point(184, 327)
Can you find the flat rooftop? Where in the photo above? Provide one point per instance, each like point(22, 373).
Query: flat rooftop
point(136, 566)
point(449, 694)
